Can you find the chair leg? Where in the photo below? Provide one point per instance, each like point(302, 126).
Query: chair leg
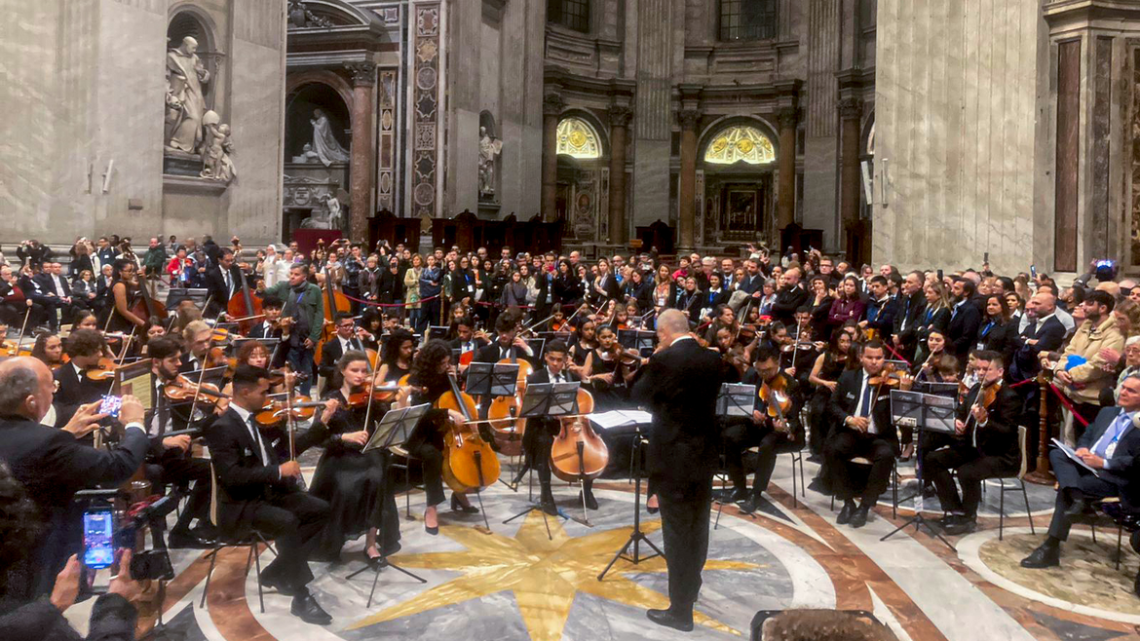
point(1028, 511)
point(1092, 526)
point(408, 494)
point(1001, 512)
point(209, 573)
point(257, 561)
point(833, 501)
point(895, 492)
point(1119, 534)
point(803, 485)
point(795, 504)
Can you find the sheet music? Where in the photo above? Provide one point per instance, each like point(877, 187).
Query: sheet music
point(621, 418)
point(1072, 454)
point(139, 387)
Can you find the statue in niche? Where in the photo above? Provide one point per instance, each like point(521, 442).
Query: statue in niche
point(324, 143)
point(330, 216)
point(489, 148)
point(216, 150)
point(185, 97)
point(307, 155)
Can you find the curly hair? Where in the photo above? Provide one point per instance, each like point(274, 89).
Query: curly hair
point(425, 366)
point(20, 524)
point(395, 341)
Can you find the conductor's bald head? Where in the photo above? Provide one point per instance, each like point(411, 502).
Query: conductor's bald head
point(671, 325)
point(26, 388)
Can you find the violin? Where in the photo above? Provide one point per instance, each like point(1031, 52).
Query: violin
point(102, 371)
point(985, 398)
point(182, 389)
point(275, 412)
point(578, 453)
point(469, 463)
point(775, 396)
point(378, 394)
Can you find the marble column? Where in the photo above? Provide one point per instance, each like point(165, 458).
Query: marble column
point(361, 175)
point(552, 107)
point(786, 198)
point(689, 119)
point(850, 110)
point(619, 127)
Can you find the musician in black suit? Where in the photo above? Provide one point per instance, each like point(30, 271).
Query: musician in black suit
point(911, 308)
point(53, 465)
point(222, 282)
point(257, 492)
point(771, 435)
point(507, 344)
point(84, 348)
point(862, 427)
point(679, 385)
point(344, 341)
point(965, 319)
point(986, 446)
point(1110, 446)
point(268, 328)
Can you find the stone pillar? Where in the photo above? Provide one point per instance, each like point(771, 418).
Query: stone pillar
point(786, 200)
point(619, 126)
point(850, 110)
point(689, 119)
point(551, 111)
point(361, 175)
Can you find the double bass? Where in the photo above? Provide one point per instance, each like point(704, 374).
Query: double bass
point(245, 307)
point(335, 302)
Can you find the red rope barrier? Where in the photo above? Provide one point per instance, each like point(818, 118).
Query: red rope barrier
point(372, 304)
point(1068, 405)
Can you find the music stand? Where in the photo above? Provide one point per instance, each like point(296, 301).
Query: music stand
point(937, 389)
point(435, 331)
point(548, 400)
point(536, 346)
point(636, 537)
point(492, 380)
point(636, 339)
point(735, 400)
point(395, 428)
point(924, 413)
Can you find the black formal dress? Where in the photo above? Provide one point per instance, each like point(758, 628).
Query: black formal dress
point(679, 385)
point(854, 396)
point(426, 444)
point(252, 495)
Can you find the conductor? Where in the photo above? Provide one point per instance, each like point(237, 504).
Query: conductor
point(679, 386)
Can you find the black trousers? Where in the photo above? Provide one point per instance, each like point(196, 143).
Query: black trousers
point(1071, 476)
point(973, 468)
point(177, 469)
point(845, 445)
point(537, 442)
point(769, 443)
point(685, 528)
point(295, 521)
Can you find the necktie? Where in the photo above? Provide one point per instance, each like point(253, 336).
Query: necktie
point(226, 277)
point(260, 444)
point(865, 405)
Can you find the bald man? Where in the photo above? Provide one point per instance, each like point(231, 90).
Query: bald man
point(53, 465)
point(1043, 332)
point(679, 385)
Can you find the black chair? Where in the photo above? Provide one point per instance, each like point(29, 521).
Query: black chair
point(250, 539)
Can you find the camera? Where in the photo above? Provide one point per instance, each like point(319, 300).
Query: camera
point(1106, 270)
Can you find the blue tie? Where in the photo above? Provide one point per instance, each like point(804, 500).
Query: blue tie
point(865, 406)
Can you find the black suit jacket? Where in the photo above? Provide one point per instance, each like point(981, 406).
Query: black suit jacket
point(47, 284)
point(679, 387)
point(216, 286)
point(74, 391)
point(331, 353)
point(243, 479)
point(845, 400)
point(542, 376)
point(1049, 339)
point(908, 315)
point(491, 353)
point(963, 329)
point(788, 300)
point(1123, 470)
point(999, 435)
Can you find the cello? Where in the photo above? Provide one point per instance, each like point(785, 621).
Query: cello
point(469, 463)
point(335, 302)
point(578, 453)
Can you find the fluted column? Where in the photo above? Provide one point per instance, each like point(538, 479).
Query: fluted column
point(850, 110)
point(688, 119)
point(619, 127)
point(552, 107)
point(361, 175)
point(786, 200)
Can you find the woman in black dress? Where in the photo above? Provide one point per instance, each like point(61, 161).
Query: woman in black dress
point(585, 342)
point(125, 293)
point(606, 374)
point(824, 376)
point(427, 382)
point(354, 483)
point(397, 359)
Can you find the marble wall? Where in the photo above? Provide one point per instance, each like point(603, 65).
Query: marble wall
point(956, 90)
point(82, 88)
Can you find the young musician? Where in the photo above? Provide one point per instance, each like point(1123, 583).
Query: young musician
point(84, 348)
point(343, 342)
point(303, 304)
point(606, 373)
point(49, 350)
point(860, 409)
point(256, 491)
point(466, 339)
point(125, 292)
point(508, 345)
point(986, 446)
point(397, 359)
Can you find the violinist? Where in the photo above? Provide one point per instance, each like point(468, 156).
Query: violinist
point(355, 484)
point(772, 429)
point(303, 304)
point(427, 382)
point(398, 354)
point(85, 348)
point(85, 319)
point(607, 373)
point(49, 349)
point(721, 316)
point(343, 342)
point(270, 326)
point(585, 342)
point(986, 447)
point(860, 410)
point(200, 352)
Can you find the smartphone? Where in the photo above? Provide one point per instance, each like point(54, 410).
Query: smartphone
point(111, 405)
point(1033, 271)
point(986, 258)
point(98, 538)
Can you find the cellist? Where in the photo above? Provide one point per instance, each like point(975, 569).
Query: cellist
point(427, 382)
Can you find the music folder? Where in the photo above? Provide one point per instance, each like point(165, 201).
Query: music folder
point(396, 427)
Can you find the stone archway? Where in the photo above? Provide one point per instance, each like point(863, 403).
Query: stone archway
point(736, 161)
point(315, 175)
point(582, 196)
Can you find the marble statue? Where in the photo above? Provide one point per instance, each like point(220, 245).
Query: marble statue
point(307, 155)
point(300, 17)
point(216, 150)
point(327, 217)
point(488, 148)
point(324, 143)
point(185, 97)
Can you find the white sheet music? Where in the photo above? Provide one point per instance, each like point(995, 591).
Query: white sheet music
point(621, 418)
point(1069, 452)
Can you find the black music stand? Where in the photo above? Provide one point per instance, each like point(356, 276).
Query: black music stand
point(548, 400)
point(395, 428)
point(491, 380)
point(923, 413)
point(637, 537)
point(536, 346)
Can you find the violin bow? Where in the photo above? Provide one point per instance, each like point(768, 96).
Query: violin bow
point(23, 329)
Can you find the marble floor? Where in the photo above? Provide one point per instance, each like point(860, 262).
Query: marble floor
point(520, 580)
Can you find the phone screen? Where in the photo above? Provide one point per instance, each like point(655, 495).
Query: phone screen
point(98, 538)
point(1033, 270)
point(110, 406)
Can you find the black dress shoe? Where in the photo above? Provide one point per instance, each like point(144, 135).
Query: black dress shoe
point(306, 608)
point(456, 506)
point(591, 502)
point(750, 505)
point(961, 525)
point(1047, 555)
point(845, 514)
point(273, 583)
point(1076, 508)
point(672, 619)
point(859, 518)
point(187, 540)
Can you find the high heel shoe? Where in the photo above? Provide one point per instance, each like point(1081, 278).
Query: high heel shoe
point(652, 510)
point(456, 506)
point(430, 529)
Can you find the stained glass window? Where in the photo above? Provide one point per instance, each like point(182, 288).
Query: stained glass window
point(577, 139)
point(740, 143)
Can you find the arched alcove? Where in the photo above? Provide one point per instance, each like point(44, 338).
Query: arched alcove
point(189, 22)
point(300, 107)
point(582, 196)
point(738, 161)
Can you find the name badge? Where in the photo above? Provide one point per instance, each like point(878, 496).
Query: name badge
point(980, 346)
point(850, 395)
point(1111, 448)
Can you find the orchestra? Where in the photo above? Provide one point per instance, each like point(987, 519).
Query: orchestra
point(822, 345)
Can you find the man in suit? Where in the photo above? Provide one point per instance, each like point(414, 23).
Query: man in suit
point(507, 345)
point(986, 446)
point(44, 302)
point(222, 282)
point(790, 298)
point(881, 308)
point(965, 319)
point(679, 385)
point(911, 306)
point(55, 285)
point(1109, 446)
point(84, 348)
point(465, 340)
point(862, 428)
point(53, 465)
point(258, 492)
point(753, 282)
point(266, 329)
point(1043, 332)
point(344, 340)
